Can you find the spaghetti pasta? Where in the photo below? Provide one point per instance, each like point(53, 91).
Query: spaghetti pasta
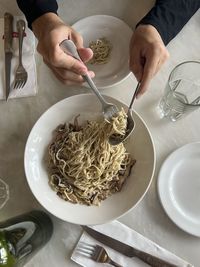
point(84, 167)
point(101, 51)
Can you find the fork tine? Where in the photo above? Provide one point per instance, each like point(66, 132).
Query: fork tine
point(17, 84)
point(23, 83)
point(85, 250)
point(20, 85)
point(84, 244)
point(96, 253)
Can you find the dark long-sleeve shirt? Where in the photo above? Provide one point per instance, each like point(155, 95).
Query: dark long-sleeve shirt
point(167, 16)
point(33, 9)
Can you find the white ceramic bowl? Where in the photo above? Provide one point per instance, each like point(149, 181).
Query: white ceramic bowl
point(119, 34)
point(140, 145)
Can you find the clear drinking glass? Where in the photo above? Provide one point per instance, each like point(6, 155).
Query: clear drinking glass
point(4, 193)
point(182, 91)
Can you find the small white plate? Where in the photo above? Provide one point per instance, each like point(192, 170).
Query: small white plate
point(119, 34)
point(179, 187)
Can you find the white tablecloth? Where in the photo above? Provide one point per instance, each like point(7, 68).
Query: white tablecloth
point(17, 118)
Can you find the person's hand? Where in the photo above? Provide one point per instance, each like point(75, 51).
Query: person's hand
point(147, 54)
point(50, 31)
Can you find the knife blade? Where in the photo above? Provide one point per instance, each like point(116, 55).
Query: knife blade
point(126, 249)
point(8, 30)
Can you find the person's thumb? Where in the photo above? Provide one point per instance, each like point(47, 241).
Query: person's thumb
point(85, 54)
point(136, 65)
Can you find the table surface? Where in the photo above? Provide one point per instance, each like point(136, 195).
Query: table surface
point(17, 117)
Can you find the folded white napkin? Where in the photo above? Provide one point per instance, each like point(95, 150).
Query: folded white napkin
point(28, 58)
point(125, 234)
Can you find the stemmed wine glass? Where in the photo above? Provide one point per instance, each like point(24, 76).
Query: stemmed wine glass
point(4, 193)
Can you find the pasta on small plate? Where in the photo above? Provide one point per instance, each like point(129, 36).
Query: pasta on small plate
point(75, 174)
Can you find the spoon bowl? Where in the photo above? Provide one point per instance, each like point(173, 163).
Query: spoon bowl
point(130, 126)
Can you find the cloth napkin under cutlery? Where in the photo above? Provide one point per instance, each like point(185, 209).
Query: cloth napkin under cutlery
point(28, 58)
point(125, 234)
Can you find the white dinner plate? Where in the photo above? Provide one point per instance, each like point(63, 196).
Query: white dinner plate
point(179, 187)
point(119, 35)
point(140, 146)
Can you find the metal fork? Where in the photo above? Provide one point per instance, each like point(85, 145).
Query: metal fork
point(109, 110)
point(96, 253)
point(21, 74)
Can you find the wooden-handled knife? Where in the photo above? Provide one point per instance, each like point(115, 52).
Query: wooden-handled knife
point(8, 30)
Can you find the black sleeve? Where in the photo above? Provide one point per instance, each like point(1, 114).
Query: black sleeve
point(169, 16)
point(33, 9)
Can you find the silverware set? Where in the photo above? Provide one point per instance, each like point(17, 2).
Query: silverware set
point(99, 254)
point(21, 74)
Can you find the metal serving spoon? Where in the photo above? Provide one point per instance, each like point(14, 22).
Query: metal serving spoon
point(113, 140)
point(108, 109)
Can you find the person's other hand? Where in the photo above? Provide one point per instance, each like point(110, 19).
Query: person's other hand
point(50, 31)
point(147, 54)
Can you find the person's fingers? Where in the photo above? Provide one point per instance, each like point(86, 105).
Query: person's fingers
point(137, 70)
point(66, 82)
point(66, 76)
point(85, 54)
point(151, 68)
point(77, 39)
point(135, 64)
point(145, 67)
point(149, 71)
point(147, 54)
point(56, 57)
point(162, 60)
point(71, 78)
point(59, 59)
point(69, 75)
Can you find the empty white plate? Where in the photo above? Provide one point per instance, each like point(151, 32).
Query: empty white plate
point(119, 34)
point(179, 187)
